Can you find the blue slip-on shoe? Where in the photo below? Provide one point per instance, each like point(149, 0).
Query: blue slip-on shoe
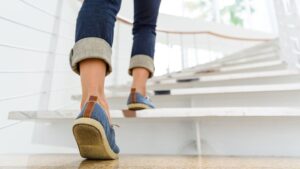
point(136, 101)
point(93, 133)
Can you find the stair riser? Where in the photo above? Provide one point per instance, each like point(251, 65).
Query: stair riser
point(229, 82)
point(259, 136)
point(275, 67)
point(242, 99)
point(253, 60)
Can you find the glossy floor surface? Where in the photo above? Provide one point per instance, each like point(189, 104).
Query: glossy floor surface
point(146, 162)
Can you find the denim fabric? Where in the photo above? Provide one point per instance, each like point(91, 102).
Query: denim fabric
point(97, 19)
point(100, 115)
point(145, 17)
point(140, 99)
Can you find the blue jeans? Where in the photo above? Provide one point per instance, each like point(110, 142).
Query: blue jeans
point(95, 31)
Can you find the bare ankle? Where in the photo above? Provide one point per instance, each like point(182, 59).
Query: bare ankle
point(85, 98)
point(140, 77)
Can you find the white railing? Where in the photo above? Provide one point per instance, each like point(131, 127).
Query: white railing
point(194, 46)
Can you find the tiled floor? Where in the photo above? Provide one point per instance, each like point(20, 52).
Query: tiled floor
point(146, 162)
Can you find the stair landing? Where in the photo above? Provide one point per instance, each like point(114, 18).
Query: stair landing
point(70, 161)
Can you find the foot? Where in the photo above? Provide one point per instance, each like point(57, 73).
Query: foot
point(93, 132)
point(137, 101)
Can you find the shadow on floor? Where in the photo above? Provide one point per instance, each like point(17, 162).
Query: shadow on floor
point(107, 164)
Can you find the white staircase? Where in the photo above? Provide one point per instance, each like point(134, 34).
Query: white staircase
point(245, 103)
point(249, 91)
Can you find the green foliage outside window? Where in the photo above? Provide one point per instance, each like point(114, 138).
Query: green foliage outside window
point(235, 11)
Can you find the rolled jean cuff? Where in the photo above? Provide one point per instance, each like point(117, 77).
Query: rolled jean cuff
point(143, 61)
point(88, 48)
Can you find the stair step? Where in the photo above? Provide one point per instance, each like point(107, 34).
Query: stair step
point(234, 79)
point(268, 48)
point(238, 89)
point(244, 68)
point(245, 54)
point(259, 50)
point(164, 113)
point(256, 59)
point(224, 89)
point(251, 66)
point(283, 95)
point(247, 68)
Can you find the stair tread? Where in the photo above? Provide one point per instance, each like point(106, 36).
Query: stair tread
point(253, 67)
point(171, 84)
point(219, 90)
point(237, 89)
point(227, 59)
point(165, 113)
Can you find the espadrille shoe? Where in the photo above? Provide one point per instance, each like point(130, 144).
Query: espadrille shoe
point(136, 101)
point(93, 132)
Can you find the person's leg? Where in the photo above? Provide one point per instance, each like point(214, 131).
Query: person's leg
point(90, 56)
point(142, 55)
point(92, 75)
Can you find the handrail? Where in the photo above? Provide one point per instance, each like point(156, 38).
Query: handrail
point(30, 49)
point(11, 124)
point(38, 93)
point(46, 12)
point(128, 22)
point(34, 28)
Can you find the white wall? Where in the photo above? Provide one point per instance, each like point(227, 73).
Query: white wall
point(22, 72)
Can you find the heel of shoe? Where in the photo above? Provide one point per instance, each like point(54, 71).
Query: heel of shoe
point(137, 106)
point(91, 140)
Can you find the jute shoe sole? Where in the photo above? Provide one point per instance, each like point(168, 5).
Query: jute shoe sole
point(137, 106)
point(91, 140)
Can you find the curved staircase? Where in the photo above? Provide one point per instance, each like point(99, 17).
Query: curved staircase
point(252, 87)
